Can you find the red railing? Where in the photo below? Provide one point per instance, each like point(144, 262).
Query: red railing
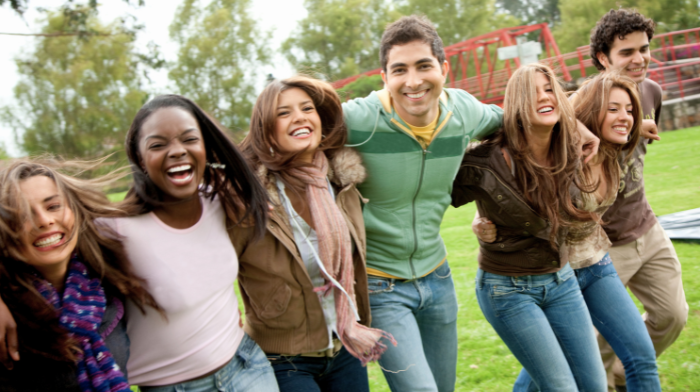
point(675, 62)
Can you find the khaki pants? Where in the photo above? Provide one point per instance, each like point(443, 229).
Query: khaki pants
point(649, 266)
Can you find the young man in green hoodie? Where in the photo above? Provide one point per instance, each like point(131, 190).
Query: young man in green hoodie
point(412, 136)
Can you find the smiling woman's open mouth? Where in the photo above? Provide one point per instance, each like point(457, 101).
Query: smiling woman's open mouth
point(180, 174)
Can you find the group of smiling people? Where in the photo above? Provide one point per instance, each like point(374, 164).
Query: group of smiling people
point(328, 216)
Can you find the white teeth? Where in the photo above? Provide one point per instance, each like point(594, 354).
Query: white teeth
point(545, 110)
point(417, 95)
point(48, 241)
point(620, 129)
point(301, 132)
point(182, 180)
point(179, 168)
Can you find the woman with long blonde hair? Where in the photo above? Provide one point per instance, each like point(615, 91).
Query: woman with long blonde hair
point(522, 180)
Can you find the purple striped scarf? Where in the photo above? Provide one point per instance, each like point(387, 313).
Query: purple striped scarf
point(81, 310)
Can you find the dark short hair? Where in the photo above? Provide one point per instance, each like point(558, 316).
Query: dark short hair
point(617, 23)
point(409, 29)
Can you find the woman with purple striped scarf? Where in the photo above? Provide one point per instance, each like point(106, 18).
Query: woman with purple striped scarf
point(64, 280)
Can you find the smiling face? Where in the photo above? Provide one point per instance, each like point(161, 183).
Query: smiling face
point(47, 243)
point(546, 111)
point(630, 55)
point(617, 120)
point(298, 125)
point(172, 152)
point(414, 78)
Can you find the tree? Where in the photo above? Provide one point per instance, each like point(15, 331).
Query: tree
point(76, 96)
point(459, 20)
point(3, 152)
point(338, 38)
point(221, 49)
point(532, 11)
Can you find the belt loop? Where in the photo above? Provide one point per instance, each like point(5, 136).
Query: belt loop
point(479, 278)
point(559, 279)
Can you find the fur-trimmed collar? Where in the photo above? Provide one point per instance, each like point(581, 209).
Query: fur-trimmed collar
point(344, 169)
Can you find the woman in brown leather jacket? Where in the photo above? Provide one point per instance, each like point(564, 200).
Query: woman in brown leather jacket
point(521, 181)
point(608, 105)
point(304, 284)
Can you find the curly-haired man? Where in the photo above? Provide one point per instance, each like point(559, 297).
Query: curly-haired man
point(642, 253)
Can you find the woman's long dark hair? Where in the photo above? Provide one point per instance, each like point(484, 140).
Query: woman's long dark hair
point(98, 247)
point(236, 185)
point(260, 143)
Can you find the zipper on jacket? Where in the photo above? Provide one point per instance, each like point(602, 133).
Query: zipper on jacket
point(413, 207)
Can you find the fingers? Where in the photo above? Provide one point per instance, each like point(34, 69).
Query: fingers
point(589, 150)
point(484, 229)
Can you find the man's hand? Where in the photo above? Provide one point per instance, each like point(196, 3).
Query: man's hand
point(650, 130)
point(589, 142)
point(484, 229)
point(8, 337)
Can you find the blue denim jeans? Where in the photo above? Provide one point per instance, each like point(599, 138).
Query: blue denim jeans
point(545, 323)
point(248, 371)
point(422, 316)
point(341, 373)
point(617, 319)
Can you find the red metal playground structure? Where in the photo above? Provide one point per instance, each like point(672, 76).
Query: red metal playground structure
point(675, 62)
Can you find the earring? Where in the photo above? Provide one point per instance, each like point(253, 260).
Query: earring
point(216, 165)
point(272, 152)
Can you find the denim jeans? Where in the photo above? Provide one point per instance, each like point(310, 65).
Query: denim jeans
point(545, 323)
point(341, 373)
point(617, 319)
point(422, 316)
point(248, 371)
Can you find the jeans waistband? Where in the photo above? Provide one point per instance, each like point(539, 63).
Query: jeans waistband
point(483, 277)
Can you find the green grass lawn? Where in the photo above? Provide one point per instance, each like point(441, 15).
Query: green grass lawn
point(672, 176)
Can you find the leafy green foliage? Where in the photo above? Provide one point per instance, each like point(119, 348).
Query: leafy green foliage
point(338, 38)
point(459, 20)
point(3, 153)
point(532, 11)
point(221, 48)
point(361, 87)
point(76, 95)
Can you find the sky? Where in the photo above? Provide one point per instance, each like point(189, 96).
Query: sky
point(280, 16)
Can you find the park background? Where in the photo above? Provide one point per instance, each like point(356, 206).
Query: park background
point(79, 70)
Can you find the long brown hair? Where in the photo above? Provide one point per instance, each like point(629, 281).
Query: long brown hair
point(98, 246)
point(590, 107)
point(546, 188)
point(260, 146)
point(234, 182)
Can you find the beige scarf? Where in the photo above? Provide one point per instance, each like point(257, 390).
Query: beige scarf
point(335, 251)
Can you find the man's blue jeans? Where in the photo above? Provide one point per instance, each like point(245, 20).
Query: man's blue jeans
point(422, 316)
point(545, 323)
point(618, 320)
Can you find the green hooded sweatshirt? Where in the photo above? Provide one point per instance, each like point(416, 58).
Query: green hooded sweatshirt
point(409, 187)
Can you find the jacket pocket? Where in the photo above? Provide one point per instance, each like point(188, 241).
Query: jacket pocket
point(275, 310)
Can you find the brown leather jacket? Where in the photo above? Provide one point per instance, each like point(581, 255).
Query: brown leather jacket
point(283, 313)
point(522, 245)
